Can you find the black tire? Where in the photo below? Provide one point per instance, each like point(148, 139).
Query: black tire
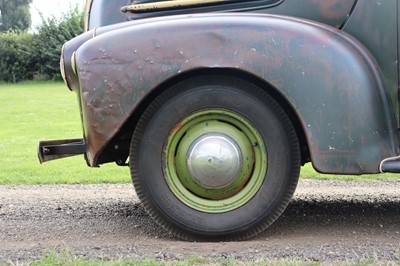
point(238, 98)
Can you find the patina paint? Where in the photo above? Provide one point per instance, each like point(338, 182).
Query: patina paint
point(375, 24)
point(330, 12)
point(329, 78)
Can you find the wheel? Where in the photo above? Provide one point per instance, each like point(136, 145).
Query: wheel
point(214, 158)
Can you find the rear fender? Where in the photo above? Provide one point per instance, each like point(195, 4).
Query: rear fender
point(330, 80)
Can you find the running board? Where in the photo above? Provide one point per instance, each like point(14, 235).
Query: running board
point(390, 165)
point(49, 150)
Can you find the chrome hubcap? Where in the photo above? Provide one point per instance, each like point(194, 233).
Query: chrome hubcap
point(214, 160)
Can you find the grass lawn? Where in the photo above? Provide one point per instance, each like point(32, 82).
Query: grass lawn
point(64, 258)
point(35, 111)
point(30, 112)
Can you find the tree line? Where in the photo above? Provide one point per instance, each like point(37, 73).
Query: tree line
point(33, 56)
point(15, 15)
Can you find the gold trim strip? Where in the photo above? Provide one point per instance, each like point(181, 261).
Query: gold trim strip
point(168, 5)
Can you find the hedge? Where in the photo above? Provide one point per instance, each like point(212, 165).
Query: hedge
point(17, 58)
point(27, 56)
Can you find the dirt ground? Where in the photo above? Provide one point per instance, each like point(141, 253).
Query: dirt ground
point(327, 220)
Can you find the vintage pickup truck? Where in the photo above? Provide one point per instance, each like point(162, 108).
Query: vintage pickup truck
point(215, 104)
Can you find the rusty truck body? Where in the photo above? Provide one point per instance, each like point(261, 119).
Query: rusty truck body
point(215, 104)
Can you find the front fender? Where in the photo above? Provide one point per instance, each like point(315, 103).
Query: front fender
point(330, 79)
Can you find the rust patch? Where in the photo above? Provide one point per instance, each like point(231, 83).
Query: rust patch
point(333, 9)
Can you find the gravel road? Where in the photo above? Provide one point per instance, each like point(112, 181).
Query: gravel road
point(327, 220)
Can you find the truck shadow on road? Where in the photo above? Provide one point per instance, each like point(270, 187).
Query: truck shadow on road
point(338, 217)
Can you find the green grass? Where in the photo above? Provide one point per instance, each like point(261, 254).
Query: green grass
point(35, 111)
point(30, 112)
point(67, 259)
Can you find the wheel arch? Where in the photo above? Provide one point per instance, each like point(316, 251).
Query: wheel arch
point(123, 136)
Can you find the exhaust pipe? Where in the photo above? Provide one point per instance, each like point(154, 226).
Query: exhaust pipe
point(49, 150)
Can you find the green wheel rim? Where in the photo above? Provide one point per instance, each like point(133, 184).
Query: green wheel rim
point(232, 195)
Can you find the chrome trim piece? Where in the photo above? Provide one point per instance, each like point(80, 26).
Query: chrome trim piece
point(73, 62)
point(387, 160)
point(169, 4)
